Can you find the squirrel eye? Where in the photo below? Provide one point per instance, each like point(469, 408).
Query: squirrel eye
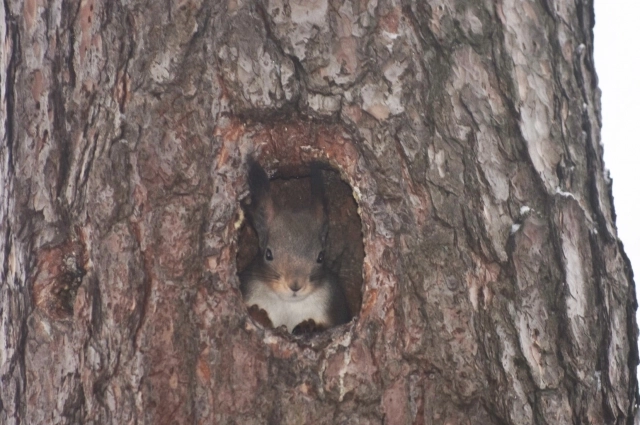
point(320, 257)
point(268, 255)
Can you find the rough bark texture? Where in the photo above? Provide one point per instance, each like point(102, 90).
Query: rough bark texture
point(495, 288)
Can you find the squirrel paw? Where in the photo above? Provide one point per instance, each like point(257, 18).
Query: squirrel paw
point(260, 316)
point(308, 326)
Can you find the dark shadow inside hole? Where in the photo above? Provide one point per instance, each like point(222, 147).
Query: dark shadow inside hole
point(344, 253)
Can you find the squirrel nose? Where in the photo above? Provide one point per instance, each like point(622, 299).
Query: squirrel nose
point(295, 287)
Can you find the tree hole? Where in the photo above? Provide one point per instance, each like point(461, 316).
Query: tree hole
point(344, 250)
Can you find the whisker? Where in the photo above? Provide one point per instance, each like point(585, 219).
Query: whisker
point(317, 275)
point(261, 272)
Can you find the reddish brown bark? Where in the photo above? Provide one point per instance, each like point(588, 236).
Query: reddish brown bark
point(495, 289)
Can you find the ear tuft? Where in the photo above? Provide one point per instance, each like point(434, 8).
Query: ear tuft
point(258, 181)
point(319, 199)
point(261, 210)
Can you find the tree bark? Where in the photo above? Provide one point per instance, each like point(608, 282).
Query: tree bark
point(495, 289)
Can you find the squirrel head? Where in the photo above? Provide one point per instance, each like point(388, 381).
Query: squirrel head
point(291, 240)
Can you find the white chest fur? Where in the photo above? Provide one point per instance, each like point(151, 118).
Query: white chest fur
point(291, 311)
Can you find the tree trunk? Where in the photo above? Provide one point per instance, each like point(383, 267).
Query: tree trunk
point(495, 289)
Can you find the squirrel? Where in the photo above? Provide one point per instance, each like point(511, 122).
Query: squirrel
point(288, 282)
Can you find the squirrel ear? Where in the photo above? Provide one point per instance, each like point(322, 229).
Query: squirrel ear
point(262, 210)
point(317, 192)
point(258, 180)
